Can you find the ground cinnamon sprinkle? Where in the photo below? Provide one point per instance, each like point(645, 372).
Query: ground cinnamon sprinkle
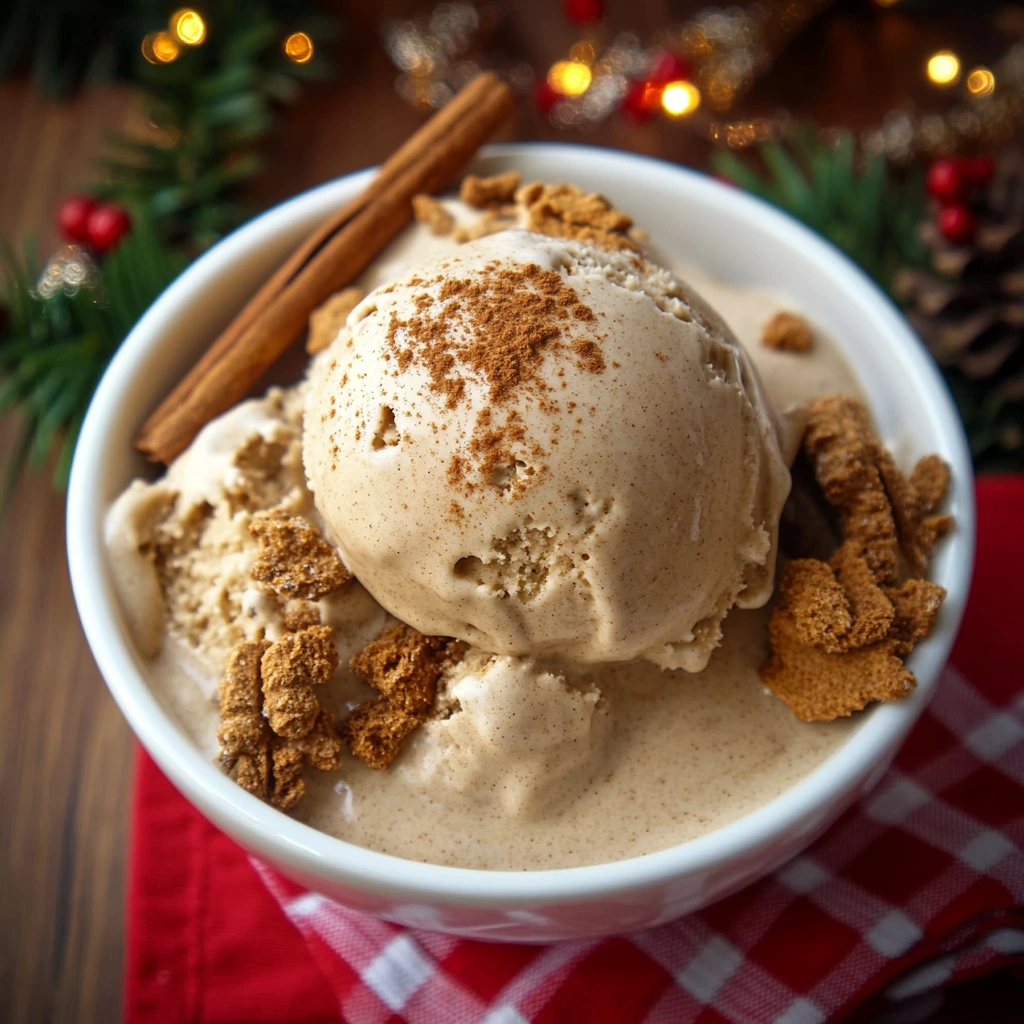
point(498, 326)
point(590, 357)
point(841, 628)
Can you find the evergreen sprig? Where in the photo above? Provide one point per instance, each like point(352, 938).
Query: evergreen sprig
point(53, 350)
point(70, 43)
point(209, 108)
point(852, 200)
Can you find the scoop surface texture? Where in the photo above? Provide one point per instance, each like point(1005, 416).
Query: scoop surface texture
point(541, 447)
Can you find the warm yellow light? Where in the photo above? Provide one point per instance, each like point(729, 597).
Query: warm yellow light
point(886, 3)
point(160, 48)
point(299, 48)
point(680, 98)
point(981, 82)
point(569, 77)
point(944, 67)
point(188, 26)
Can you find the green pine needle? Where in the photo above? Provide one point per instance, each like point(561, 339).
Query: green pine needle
point(856, 204)
point(211, 107)
point(54, 350)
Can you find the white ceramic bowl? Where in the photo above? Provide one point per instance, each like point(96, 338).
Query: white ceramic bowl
point(692, 218)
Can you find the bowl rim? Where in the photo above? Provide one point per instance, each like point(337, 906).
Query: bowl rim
point(283, 839)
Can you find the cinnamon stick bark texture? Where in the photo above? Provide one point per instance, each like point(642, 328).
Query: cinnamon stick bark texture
point(327, 260)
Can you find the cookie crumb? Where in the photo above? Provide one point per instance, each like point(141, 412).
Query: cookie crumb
point(433, 213)
point(298, 614)
point(327, 320)
point(295, 561)
point(841, 629)
point(820, 686)
point(820, 609)
point(290, 669)
point(844, 453)
point(565, 211)
point(261, 762)
point(916, 604)
point(404, 666)
point(243, 734)
point(787, 332)
point(493, 191)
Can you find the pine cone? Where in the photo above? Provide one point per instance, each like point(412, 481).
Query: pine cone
point(969, 307)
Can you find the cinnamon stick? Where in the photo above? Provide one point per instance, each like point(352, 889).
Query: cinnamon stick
point(328, 259)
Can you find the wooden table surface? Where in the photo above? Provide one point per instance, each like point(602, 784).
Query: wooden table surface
point(66, 753)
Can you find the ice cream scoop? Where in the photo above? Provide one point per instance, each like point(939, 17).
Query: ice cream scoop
point(510, 736)
point(542, 447)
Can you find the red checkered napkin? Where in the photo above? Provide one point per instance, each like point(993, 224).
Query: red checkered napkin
point(919, 886)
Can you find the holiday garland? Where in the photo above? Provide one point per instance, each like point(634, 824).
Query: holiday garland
point(210, 86)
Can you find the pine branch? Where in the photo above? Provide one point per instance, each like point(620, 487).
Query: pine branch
point(210, 107)
point(54, 350)
point(853, 202)
point(70, 43)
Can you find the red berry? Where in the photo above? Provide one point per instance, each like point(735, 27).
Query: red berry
point(668, 66)
point(583, 12)
point(107, 225)
point(956, 223)
point(73, 217)
point(545, 96)
point(642, 100)
point(978, 171)
point(943, 181)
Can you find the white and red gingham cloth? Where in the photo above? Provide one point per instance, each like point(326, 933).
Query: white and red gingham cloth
point(919, 886)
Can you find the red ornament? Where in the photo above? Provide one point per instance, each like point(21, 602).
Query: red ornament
point(668, 66)
point(583, 12)
point(545, 96)
point(944, 181)
point(956, 223)
point(108, 223)
point(642, 100)
point(977, 172)
point(73, 217)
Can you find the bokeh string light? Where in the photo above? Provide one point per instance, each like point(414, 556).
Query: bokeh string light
point(981, 82)
point(943, 68)
point(160, 48)
point(298, 47)
point(188, 27)
point(719, 52)
point(678, 99)
point(718, 55)
point(570, 77)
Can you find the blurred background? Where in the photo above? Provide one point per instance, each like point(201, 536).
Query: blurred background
point(137, 133)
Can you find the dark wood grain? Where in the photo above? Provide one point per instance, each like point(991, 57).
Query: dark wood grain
point(65, 751)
